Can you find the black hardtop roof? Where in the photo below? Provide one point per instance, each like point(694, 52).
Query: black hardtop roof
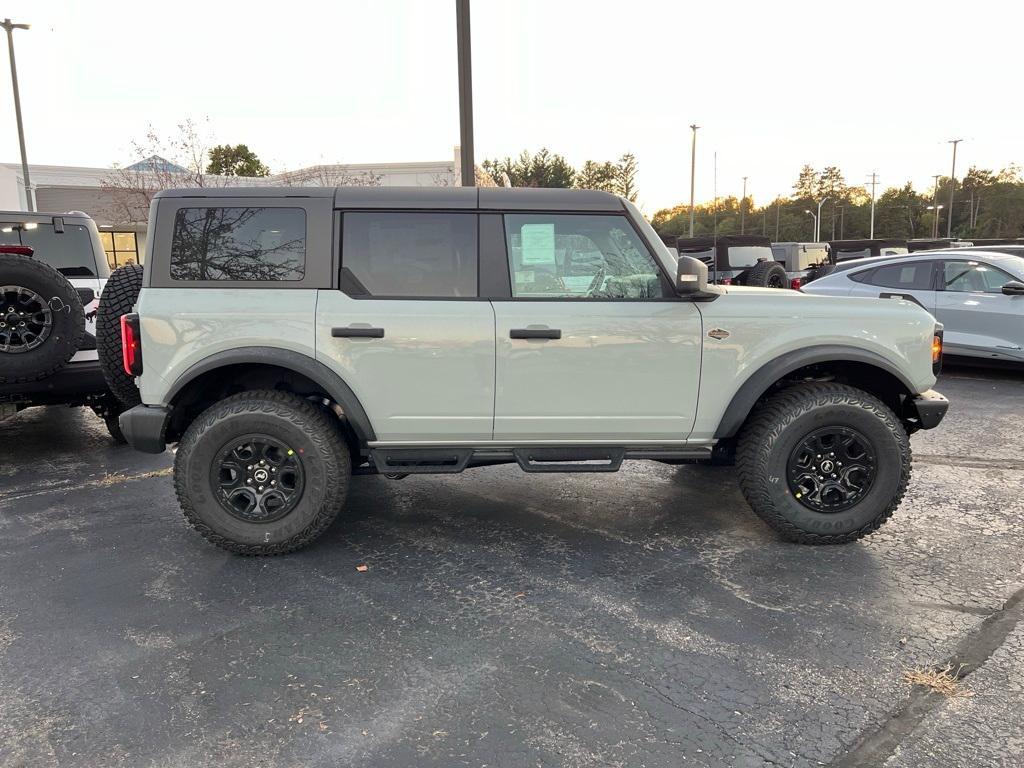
point(483, 198)
point(723, 241)
point(859, 245)
point(40, 217)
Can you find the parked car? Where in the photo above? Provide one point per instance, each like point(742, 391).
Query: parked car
point(799, 258)
point(734, 259)
point(52, 272)
point(288, 341)
point(846, 250)
point(977, 295)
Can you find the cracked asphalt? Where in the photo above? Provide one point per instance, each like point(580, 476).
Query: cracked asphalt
point(639, 619)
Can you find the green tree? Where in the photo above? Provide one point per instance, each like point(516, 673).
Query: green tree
point(237, 160)
point(543, 169)
point(625, 177)
point(595, 175)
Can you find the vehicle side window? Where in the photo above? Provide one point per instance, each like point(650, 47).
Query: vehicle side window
point(413, 255)
point(916, 276)
point(252, 244)
point(973, 277)
point(578, 256)
point(69, 252)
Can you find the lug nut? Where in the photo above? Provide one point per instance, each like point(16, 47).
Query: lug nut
point(260, 488)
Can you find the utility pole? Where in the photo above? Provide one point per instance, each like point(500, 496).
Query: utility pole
point(743, 207)
point(952, 187)
point(693, 166)
point(935, 207)
point(874, 182)
point(10, 26)
point(462, 35)
point(777, 220)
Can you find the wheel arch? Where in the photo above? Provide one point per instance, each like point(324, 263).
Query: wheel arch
point(245, 368)
point(862, 368)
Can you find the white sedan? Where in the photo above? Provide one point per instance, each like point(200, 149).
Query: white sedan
point(977, 295)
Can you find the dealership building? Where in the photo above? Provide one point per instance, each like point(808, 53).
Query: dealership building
point(61, 188)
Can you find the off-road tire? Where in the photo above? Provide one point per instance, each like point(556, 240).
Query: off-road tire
point(781, 421)
point(66, 315)
point(301, 424)
point(109, 408)
point(767, 274)
point(118, 298)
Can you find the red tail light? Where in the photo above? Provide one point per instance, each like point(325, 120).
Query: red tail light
point(726, 281)
point(795, 283)
point(131, 345)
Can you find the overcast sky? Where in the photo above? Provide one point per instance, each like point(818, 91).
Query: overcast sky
point(869, 86)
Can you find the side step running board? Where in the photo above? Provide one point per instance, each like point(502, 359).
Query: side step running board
point(569, 459)
point(408, 461)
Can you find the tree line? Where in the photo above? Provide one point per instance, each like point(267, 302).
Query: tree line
point(987, 204)
point(548, 169)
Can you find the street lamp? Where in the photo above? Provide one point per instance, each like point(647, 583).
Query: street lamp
point(693, 166)
point(935, 218)
point(952, 186)
point(814, 226)
point(743, 208)
point(817, 222)
point(10, 26)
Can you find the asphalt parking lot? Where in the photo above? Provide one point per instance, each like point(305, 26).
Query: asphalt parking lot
point(639, 619)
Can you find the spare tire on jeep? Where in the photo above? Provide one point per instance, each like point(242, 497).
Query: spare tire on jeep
point(767, 274)
point(41, 319)
point(819, 271)
point(118, 297)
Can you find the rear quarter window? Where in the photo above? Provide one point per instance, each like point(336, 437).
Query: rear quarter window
point(239, 243)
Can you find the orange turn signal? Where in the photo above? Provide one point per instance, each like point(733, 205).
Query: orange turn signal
point(936, 348)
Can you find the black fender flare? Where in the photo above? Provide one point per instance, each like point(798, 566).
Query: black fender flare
point(339, 391)
point(759, 382)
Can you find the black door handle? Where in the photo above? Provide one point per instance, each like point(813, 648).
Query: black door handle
point(535, 333)
point(357, 333)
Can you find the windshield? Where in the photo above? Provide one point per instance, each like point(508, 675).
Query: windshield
point(70, 252)
point(741, 256)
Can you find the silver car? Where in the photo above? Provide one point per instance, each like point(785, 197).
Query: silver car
point(977, 295)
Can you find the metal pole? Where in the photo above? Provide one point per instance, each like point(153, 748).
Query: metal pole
point(462, 33)
point(935, 207)
point(952, 187)
point(693, 166)
point(10, 27)
point(743, 208)
point(776, 221)
point(874, 181)
point(817, 222)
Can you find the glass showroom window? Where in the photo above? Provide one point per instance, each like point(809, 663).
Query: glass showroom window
point(121, 248)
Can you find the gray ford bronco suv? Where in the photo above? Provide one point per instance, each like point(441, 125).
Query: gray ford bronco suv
point(287, 339)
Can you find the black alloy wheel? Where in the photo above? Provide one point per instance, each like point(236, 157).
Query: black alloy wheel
point(25, 319)
point(831, 469)
point(258, 479)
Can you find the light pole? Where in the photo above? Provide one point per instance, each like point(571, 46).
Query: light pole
point(935, 207)
point(952, 187)
point(693, 166)
point(465, 93)
point(814, 226)
point(10, 27)
point(743, 208)
point(874, 181)
point(817, 222)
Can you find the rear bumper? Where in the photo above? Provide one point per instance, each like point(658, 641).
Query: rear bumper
point(144, 427)
point(925, 410)
point(73, 383)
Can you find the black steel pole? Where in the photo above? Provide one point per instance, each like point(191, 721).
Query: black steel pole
point(465, 93)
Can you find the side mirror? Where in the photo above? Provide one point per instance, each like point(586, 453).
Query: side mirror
point(1014, 288)
point(691, 275)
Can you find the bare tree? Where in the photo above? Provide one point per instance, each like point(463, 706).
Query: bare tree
point(323, 175)
point(158, 163)
point(450, 179)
